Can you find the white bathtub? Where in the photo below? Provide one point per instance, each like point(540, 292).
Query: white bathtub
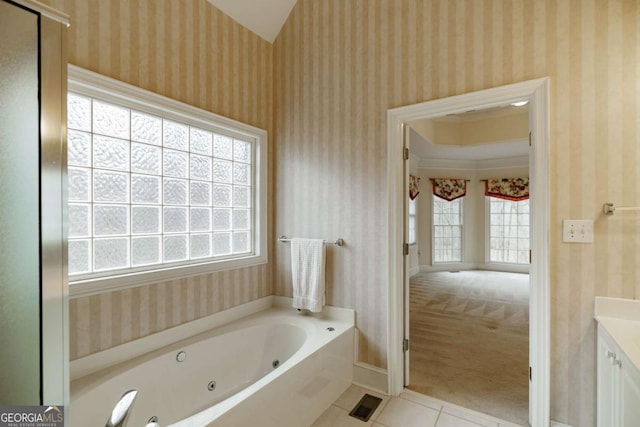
point(314, 366)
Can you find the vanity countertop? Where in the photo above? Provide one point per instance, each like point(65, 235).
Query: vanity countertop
point(621, 319)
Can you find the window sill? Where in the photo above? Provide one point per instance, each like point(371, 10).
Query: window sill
point(118, 282)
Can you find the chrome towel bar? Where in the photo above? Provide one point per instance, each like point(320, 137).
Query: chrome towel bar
point(339, 242)
point(610, 208)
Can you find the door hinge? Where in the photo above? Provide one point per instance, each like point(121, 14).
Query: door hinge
point(529, 139)
point(405, 344)
point(405, 249)
point(530, 256)
point(405, 153)
point(530, 375)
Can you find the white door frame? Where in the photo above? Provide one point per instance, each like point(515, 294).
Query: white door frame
point(537, 93)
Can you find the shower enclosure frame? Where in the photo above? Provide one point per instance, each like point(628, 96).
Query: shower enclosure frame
point(51, 27)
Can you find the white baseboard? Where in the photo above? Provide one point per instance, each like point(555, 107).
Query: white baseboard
point(509, 268)
point(449, 267)
point(371, 377)
point(364, 374)
point(461, 266)
point(557, 424)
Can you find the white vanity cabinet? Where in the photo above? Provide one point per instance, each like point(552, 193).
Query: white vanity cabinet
point(618, 385)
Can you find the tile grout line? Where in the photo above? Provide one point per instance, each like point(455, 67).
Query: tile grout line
point(384, 404)
point(439, 415)
point(435, 405)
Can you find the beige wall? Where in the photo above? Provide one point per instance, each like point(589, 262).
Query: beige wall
point(340, 64)
point(486, 131)
point(495, 129)
point(189, 51)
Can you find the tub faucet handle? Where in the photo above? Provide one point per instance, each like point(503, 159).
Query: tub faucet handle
point(121, 410)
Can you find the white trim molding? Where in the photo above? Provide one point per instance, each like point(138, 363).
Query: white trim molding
point(452, 266)
point(366, 375)
point(370, 377)
point(45, 10)
point(475, 165)
point(508, 268)
point(537, 93)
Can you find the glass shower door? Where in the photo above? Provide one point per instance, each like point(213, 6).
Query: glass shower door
point(20, 353)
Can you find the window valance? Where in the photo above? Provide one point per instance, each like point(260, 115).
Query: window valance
point(514, 189)
point(413, 186)
point(449, 188)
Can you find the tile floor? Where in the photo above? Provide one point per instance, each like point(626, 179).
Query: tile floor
point(410, 409)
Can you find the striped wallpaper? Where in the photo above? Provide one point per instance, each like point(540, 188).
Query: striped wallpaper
point(325, 87)
point(189, 51)
point(340, 64)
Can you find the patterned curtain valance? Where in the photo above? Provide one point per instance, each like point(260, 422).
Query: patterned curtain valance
point(449, 188)
point(514, 189)
point(413, 186)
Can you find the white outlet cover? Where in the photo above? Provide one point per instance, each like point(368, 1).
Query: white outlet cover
point(577, 231)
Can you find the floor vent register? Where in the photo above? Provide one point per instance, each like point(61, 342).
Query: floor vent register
point(365, 408)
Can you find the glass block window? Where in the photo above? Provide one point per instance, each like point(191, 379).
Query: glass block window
point(447, 230)
point(508, 231)
point(147, 190)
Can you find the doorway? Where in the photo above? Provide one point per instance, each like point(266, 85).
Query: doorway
point(536, 92)
point(468, 286)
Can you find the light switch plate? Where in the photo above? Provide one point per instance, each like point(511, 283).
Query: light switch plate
point(577, 231)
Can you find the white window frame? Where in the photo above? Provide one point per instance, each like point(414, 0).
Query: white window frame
point(433, 233)
point(87, 83)
point(519, 266)
point(413, 222)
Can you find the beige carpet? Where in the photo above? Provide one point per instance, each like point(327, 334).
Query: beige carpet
point(469, 334)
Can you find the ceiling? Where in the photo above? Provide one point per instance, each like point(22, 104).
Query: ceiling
point(263, 17)
point(426, 149)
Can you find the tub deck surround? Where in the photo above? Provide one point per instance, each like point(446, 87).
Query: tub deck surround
point(328, 312)
point(621, 319)
point(275, 367)
point(98, 361)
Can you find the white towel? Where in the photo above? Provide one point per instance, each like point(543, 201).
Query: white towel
point(307, 271)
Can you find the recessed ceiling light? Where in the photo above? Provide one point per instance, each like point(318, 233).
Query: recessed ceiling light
point(520, 103)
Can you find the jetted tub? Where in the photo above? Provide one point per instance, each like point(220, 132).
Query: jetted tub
point(274, 368)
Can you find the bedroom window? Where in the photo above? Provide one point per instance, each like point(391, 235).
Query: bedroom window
point(447, 230)
point(158, 189)
point(508, 231)
point(412, 222)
